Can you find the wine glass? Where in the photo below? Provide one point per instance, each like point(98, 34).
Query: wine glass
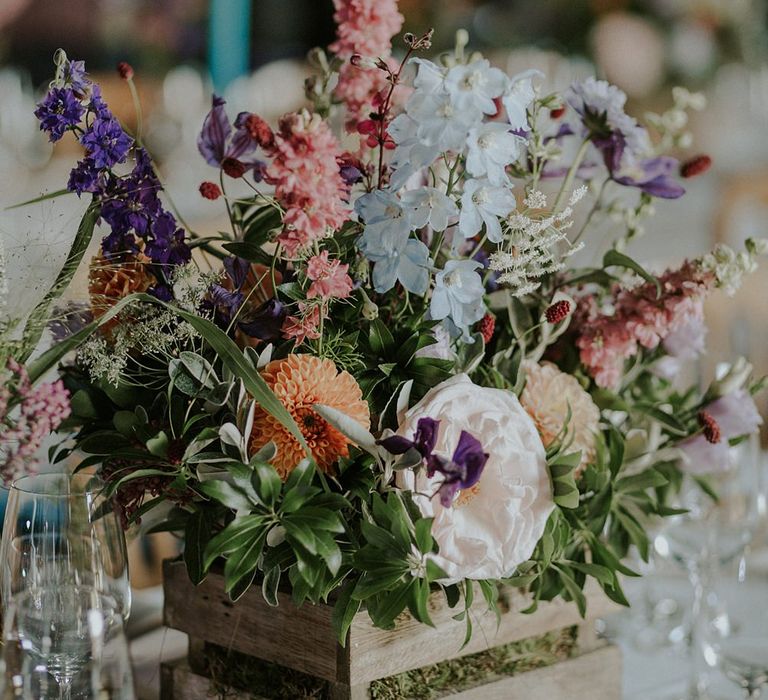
point(63, 642)
point(61, 529)
point(712, 531)
point(735, 623)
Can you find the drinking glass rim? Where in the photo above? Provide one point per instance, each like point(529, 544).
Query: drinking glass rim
point(23, 484)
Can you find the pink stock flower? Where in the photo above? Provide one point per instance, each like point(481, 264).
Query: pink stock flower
point(639, 319)
point(308, 184)
point(41, 410)
point(365, 28)
point(304, 326)
point(329, 278)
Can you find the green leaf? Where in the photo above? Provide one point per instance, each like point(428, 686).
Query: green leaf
point(199, 368)
point(392, 604)
point(270, 585)
point(226, 494)
point(197, 534)
point(418, 603)
point(233, 359)
point(424, 538)
point(240, 569)
point(613, 258)
point(267, 483)
point(317, 519)
point(344, 611)
point(602, 573)
point(158, 445)
point(41, 198)
point(125, 422)
point(241, 531)
point(36, 321)
point(576, 594)
point(294, 499)
point(380, 338)
point(82, 406)
point(650, 478)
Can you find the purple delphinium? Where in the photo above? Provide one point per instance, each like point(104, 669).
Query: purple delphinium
point(59, 110)
point(106, 142)
point(85, 177)
point(217, 142)
point(735, 414)
point(73, 75)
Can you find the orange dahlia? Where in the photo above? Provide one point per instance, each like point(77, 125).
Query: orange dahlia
point(299, 381)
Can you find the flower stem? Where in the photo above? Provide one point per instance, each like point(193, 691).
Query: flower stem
point(137, 107)
point(595, 207)
point(568, 182)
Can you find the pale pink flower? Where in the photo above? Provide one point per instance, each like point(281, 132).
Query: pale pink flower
point(304, 326)
point(639, 319)
point(41, 410)
point(364, 27)
point(329, 278)
point(308, 184)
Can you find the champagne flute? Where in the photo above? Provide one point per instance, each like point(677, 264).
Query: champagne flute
point(72, 635)
point(61, 529)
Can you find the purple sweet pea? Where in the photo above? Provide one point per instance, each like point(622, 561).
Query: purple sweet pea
point(735, 415)
point(652, 176)
point(462, 471)
point(106, 142)
point(423, 442)
point(59, 111)
point(218, 143)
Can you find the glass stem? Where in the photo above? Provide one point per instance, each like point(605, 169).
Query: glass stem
point(693, 646)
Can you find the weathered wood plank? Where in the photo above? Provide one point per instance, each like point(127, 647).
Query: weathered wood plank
point(303, 639)
point(586, 677)
point(299, 638)
point(376, 653)
point(179, 682)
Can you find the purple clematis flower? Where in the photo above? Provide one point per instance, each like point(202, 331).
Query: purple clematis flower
point(424, 440)
point(59, 110)
point(652, 176)
point(217, 143)
point(462, 471)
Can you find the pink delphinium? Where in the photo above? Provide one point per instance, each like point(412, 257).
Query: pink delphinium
point(640, 319)
point(329, 278)
point(308, 184)
point(365, 28)
point(41, 410)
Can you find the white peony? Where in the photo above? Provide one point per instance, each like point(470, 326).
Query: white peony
point(493, 527)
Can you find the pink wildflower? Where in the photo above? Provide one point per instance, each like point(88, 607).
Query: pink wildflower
point(41, 410)
point(329, 278)
point(639, 319)
point(364, 28)
point(304, 326)
point(308, 185)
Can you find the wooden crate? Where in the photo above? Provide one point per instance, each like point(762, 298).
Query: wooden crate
point(302, 639)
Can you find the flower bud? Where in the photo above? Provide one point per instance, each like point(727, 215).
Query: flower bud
point(730, 380)
point(370, 311)
point(125, 70)
point(210, 190)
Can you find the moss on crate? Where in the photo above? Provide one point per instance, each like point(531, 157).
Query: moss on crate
point(232, 672)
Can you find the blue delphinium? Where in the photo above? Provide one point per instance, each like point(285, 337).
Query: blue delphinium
point(458, 295)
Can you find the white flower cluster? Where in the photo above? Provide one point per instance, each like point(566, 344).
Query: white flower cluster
point(672, 125)
point(730, 267)
point(536, 244)
point(153, 330)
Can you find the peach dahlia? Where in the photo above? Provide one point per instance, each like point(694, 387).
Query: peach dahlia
point(299, 381)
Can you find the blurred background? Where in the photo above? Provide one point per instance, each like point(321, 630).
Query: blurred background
point(253, 52)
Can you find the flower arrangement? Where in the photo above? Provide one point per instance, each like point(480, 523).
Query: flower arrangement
point(395, 381)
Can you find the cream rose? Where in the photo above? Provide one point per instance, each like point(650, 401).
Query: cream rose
point(493, 527)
